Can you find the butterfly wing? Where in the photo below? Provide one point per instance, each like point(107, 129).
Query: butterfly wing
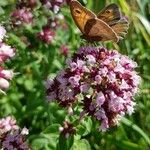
point(120, 28)
point(80, 14)
point(113, 17)
point(110, 14)
point(109, 26)
point(97, 30)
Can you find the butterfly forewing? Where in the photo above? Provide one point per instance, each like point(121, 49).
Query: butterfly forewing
point(80, 14)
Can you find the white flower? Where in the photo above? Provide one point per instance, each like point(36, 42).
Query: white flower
point(2, 33)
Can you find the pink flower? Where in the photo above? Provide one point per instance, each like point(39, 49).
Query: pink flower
point(90, 59)
point(7, 124)
point(98, 78)
point(100, 99)
point(22, 16)
point(84, 88)
point(64, 50)
point(74, 80)
point(4, 84)
point(15, 141)
point(53, 5)
point(6, 52)
point(106, 80)
point(11, 136)
point(46, 35)
point(7, 74)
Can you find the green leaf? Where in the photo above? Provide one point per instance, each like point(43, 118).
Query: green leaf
point(17, 40)
point(85, 127)
point(145, 22)
point(3, 3)
point(44, 141)
point(54, 128)
point(137, 129)
point(81, 145)
point(65, 143)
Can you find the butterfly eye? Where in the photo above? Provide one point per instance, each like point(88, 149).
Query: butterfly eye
point(78, 11)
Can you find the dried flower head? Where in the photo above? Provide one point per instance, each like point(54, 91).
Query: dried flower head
point(26, 3)
point(106, 80)
point(67, 129)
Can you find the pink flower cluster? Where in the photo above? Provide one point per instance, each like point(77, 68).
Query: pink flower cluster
point(46, 35)
point(6, 52)
point(64, 50)
point(53, 5)
point(11, 136)
point(48, 32)
point(106, 81)
point(22, 15)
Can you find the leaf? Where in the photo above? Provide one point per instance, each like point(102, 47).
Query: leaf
point(44, 141)
point(54, 128)
point(145, 22)
point(65, 143)
point(81, 145)
point(1, 11)
point(39, 143)
point(29, 84)
point(3, 3)
point(137, 129)
point(85, 128)
point(17, 40)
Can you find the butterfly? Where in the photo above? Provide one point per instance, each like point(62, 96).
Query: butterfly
point(107, 25)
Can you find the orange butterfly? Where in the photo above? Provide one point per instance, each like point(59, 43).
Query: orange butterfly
point(107, 25)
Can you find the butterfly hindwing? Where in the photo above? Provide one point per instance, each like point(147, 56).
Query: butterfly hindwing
point(121, 27)
point(113, 17)
point(100, 30)
point(110, 14)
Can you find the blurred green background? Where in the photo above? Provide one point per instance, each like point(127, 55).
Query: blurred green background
point(26, 101)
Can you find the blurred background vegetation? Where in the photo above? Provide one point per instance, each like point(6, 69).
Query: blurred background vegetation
point(26, 101)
